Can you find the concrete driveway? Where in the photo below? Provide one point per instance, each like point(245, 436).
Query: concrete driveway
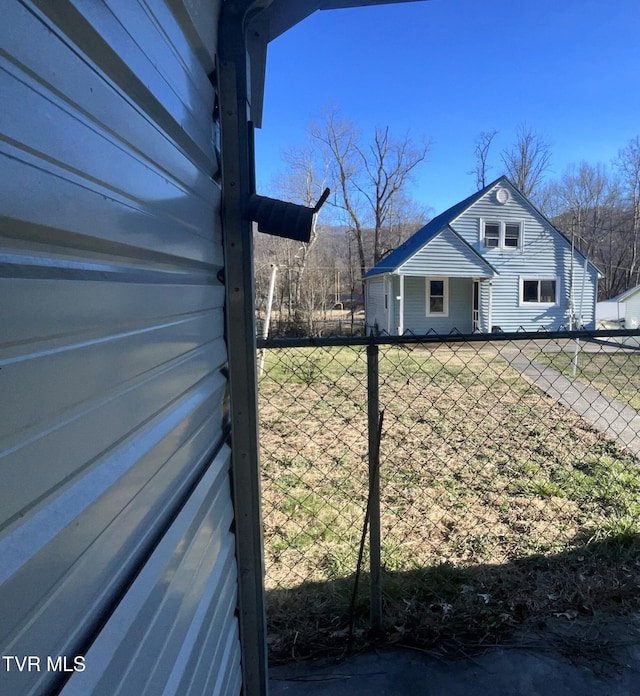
point(499, 672)
point(616, 420)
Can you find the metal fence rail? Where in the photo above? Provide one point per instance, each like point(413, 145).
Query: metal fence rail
point(508, 491)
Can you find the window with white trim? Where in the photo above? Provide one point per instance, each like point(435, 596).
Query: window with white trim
point(437, 297)
point(539, 291)
point(501, 235)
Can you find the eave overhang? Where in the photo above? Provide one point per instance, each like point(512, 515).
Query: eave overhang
point(265, 20)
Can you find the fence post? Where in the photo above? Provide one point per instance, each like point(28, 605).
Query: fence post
point(373, 411)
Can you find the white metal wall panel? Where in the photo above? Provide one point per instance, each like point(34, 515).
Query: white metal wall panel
point(631, 311)
point(181, 603)
point(115, 482)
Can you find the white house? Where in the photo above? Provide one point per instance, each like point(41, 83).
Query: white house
point(491, 262)
point(628, 304)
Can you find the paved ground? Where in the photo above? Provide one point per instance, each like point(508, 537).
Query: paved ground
point(512, 672)
point(612, 418)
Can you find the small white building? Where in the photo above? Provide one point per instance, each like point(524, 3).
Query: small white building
point(629, 307)
point(609, 314)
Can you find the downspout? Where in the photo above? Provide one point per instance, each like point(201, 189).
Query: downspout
point(577, 348)
point(388, 288)
point(584, 279)
point(571, 279)
point(237, 184)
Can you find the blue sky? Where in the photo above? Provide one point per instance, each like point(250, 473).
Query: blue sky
point(444, 70)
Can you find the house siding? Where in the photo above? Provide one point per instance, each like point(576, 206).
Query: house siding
point(452, 246)
point(460, 307)
point(437, 255)
point(544, 254)
point(376, 314)
point(116, 506)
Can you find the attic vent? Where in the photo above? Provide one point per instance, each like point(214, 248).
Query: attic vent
point(502, 196)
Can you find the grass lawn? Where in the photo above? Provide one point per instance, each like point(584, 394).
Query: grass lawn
point(498, 505)
point(615, 374)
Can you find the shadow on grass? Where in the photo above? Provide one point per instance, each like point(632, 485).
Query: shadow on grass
point(472, 607)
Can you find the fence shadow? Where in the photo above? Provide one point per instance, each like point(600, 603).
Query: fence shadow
point(584, 601)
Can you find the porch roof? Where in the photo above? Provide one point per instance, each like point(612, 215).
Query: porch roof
point(403, 254)
point(447, 254)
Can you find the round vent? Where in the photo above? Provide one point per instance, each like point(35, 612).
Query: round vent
point(502, 196)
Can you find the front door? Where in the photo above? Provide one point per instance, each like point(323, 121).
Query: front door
point(475, 319)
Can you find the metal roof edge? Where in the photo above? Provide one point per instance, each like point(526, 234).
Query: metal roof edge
point(625, 295)
point(265, 20)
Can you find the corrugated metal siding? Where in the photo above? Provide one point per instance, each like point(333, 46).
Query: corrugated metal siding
point(446, 255)
point(545, 254)
point(112, 350)
point(180, 605)
point(460, 304)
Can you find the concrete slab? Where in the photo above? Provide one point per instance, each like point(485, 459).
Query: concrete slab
point(499, 672)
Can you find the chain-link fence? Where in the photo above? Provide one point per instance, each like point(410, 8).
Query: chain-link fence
point(509, 487)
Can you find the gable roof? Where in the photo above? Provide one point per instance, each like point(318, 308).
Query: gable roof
point(627, 294)
point(391, 262)
point(447, 250)
point(411, 246)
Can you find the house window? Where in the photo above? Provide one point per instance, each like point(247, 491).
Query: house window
point(491, 235)
point(539, 291)
point(501, 235)
point(437, 297)
point(512, 235)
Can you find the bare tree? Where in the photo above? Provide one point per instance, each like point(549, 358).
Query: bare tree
point(585, 205)
point(371, 215)
point(368, 180)
point(628, 164)
point(303, 183)
point(586, 194)
point(527, 160)
point(405, 217)
point(481, 152)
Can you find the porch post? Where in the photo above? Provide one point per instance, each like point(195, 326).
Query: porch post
point(401, 308)
point(388, 288)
